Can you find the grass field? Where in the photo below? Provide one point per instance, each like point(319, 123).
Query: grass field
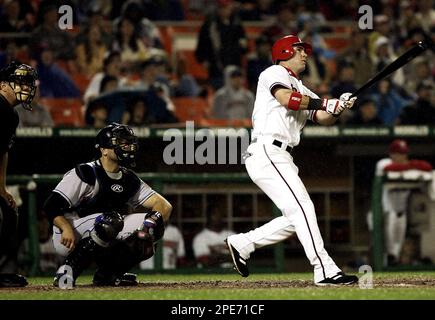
point(295, 286)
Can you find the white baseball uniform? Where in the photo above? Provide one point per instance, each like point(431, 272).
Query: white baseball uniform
point(271, 167)
point(208, 241)
point(75, 190)
point(395, 206)
point(173, 249)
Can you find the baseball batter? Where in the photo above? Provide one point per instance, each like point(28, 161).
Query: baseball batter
point(282, 107)
point(91, 209)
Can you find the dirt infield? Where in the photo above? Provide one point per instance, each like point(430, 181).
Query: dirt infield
point(399, 282)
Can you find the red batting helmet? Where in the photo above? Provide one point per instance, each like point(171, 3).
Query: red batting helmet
point(398, 146)
point(282, 49)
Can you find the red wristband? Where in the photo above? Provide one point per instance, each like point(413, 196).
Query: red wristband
point(295, 101)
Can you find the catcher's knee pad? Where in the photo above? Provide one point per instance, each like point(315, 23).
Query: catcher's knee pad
point(106, 228)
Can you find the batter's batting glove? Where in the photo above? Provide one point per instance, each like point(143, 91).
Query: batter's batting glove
point(347, 99)
point(333, 106)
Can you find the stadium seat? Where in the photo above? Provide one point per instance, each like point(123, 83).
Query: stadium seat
point(225, 123)
point(66, 112)
point(81, 81)
point(190, 109)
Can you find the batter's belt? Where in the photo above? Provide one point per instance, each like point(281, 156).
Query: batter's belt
point(279, 144)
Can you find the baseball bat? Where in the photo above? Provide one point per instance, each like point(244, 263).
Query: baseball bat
point(407, 56)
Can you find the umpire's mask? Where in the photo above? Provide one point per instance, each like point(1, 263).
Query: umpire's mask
point(23, 82)
point(122, 140)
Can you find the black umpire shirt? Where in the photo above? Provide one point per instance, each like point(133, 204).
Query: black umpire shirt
point(8, 125)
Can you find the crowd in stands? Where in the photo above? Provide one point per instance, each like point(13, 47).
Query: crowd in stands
point(118, 62)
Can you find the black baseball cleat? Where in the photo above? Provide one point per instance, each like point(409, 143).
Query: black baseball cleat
point(240, 264)
point(126, 280)
point(12, 280)
point(338, 280)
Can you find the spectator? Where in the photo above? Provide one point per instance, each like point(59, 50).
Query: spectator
point(128, 43)
point(222, 41)
point(356, 54)
point(12, 21)
point(389, 103)
point(420, 73)
point(258, 61)
point(384, 55)
point(97, 111)
point(145, 29)
point(54, 82)
point(408, 20)
point(48, 35)
point(111, 67)
point(208, 245)
point(90, 53)
point(173, 250)
point(426, 14)
point(151, 79)
point(169, 10)
point(423, 111)
point(184, 84)
point(233, 101)
point(99, 115)
point(95, 18)
point(138, 113)
point(38, 117)
point(365, 114)
point(383, 28)
point(257, 10)
point(346, 75)
point(284, 24)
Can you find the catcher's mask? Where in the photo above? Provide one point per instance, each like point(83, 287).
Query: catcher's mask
point(22, 79)
point(122, 140)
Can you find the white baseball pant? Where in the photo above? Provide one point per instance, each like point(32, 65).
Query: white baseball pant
point(273, 171)
point(395, 232)
point(83, 227)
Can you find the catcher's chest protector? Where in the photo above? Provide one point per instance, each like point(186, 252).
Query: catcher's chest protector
point(112, 194)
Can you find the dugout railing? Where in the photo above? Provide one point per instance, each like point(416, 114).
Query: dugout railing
point(157, 180)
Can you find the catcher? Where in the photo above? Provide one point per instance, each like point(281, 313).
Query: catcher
point(17, 86)
point(91, 209)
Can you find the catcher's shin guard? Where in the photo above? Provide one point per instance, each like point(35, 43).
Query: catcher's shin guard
point(106, 228)
point(120, 258)
point(77, 261)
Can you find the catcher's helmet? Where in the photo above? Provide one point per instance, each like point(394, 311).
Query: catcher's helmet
point(121, 139)
point(398, 146)
point(22, 79)
point(282, 49)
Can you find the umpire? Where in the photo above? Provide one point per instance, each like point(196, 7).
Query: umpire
point(17, 86)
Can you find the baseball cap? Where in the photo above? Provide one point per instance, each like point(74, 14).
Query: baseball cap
point(381, 18)
point(380, 41)
point(236, 73)
point(425, 84)
point(398, 146)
